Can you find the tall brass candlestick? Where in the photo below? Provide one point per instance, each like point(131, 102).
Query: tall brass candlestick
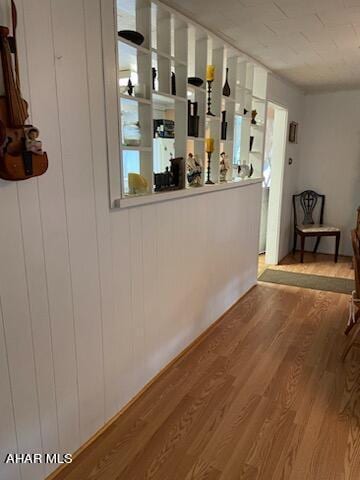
point(210, 76)
point(209, 144)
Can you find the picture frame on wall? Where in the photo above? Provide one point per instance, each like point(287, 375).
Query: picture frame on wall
point(293, 132)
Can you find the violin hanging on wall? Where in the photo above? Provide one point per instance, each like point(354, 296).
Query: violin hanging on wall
point(21, 155)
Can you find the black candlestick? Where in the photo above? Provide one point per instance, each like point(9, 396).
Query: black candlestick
point(208, 181)
point(209, 82)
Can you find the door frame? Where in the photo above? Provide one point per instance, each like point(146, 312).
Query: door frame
point(273, 229)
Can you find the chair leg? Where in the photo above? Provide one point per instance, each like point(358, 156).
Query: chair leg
point(347, 350)
point(352, 342)
point(337, 244)
point(302, 238)
point(317, 244)
point(349, 328)
point(352, 324)
point(294, 246)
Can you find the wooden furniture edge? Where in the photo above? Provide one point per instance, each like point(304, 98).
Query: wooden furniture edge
point(112, 420)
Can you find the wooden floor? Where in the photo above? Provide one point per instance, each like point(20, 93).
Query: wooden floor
point(315, 264)
point(263, 396)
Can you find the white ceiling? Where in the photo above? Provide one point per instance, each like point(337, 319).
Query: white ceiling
point(313, 43)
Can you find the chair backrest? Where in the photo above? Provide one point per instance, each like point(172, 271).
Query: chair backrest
point(356, 247)
point(308, 208)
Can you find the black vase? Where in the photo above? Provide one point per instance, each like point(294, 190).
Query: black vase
point(251, 143)
point(226, 88)
point(173, 83)
point(223, 125)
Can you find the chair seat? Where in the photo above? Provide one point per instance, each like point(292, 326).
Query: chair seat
point(317, 228)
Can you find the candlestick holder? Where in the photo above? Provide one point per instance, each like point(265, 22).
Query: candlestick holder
point(208, 181)
point(209, 82)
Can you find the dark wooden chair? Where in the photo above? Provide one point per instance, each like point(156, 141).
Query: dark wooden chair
point(308, 206)
point(355, 300)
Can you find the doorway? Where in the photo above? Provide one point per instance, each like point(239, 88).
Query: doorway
point(273, 172)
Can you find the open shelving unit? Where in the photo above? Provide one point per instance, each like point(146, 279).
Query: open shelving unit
point(149, 125)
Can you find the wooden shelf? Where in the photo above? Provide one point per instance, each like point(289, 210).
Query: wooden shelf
point(136, 148)
point(258, 99)
point(135, 99)
point(209, 118)
point(257, 127)
point(229, 99)
point(168, 56)
point(141, 49)
point(173, 49)
point(173, 98)
point(197, 89)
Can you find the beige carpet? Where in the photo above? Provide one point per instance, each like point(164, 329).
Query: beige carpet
point(304, 280)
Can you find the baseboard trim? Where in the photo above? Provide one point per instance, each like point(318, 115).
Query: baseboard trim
point(193, 344)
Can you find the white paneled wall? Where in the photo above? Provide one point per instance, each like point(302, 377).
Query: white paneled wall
point(94, 303)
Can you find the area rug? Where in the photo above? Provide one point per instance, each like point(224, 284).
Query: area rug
point(304, 280)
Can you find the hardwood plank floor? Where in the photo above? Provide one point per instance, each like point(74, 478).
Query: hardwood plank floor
point(263, 396)
point(314, 264)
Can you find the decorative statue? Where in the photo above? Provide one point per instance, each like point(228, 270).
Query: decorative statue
point(32, 144)
point(194, 168)
point(138, 185)
point(224, 166)
point(253, 116)
point(130, 87)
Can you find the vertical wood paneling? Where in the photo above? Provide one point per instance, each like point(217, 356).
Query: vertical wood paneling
point(8, 441)
point(39, 313)
point(99, 161)
point(121, 345)
point(30, 217)
point(95, 302)
point(137, 294)
point(70, 47)
point(18, 331)
point(43, 93)
point(151, 286)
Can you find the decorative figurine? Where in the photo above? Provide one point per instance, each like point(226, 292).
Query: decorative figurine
point(194, 168)
point(130, 87)
point(210, 76)
point(153, 77)
point(138, 185)
point(253, 116)
point(224, 166)
point(31, 143)
point(209, 144)
point(226, 88)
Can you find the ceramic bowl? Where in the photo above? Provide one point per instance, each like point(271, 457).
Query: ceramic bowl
point(132, 36)
point(196, 81)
